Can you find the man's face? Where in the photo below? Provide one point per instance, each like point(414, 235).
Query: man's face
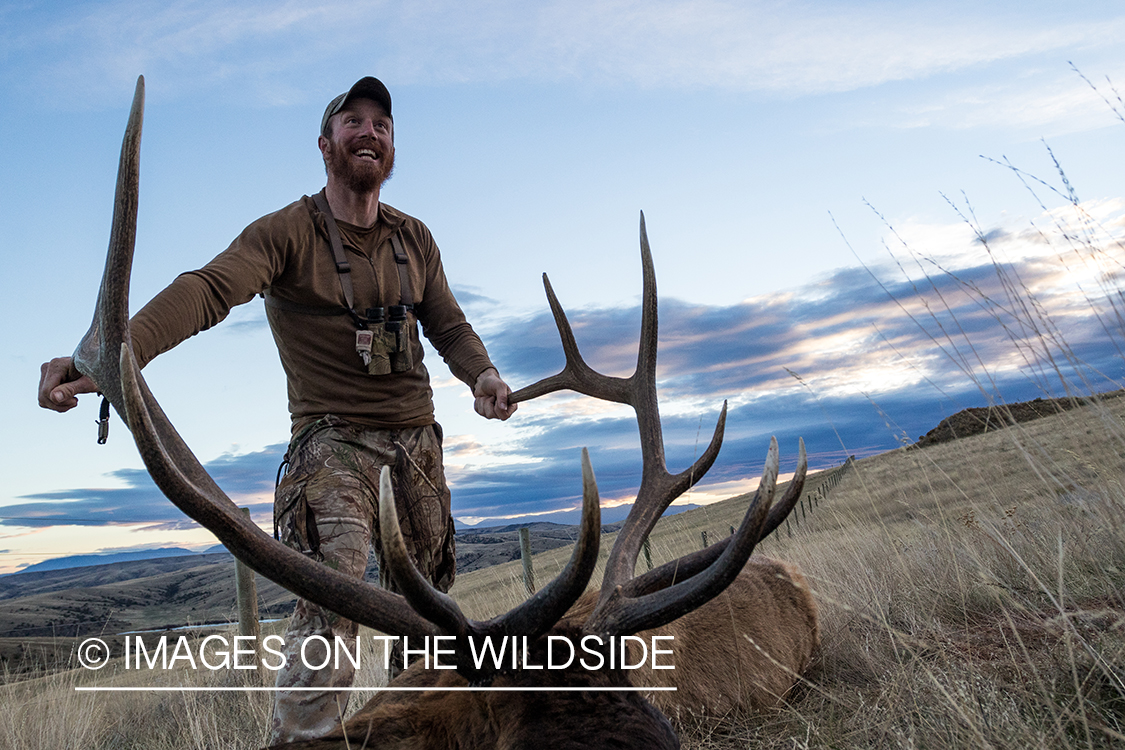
point(359, 149)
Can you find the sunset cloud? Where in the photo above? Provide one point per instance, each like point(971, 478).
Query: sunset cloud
point(857, 362)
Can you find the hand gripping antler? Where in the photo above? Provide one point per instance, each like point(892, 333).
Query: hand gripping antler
point(105, 354)
point(627, 604)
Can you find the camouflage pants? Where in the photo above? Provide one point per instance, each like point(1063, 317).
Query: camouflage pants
point(327, 506)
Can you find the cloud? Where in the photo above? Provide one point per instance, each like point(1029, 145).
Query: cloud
point(857, 362)
point(1043, 100)
point(246, 478)
point(471, 298)
point(779, 47)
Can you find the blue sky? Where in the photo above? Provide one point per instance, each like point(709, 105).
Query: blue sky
point(776, 149)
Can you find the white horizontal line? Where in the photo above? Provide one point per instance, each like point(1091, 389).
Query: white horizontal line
point(187, 689)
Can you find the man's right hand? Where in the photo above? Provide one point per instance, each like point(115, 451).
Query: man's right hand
point(60, 384)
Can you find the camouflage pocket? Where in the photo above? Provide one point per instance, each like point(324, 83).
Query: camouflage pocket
point(447, 565)
point(293, 519)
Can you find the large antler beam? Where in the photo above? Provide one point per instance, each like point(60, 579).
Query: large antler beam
point(105, 354)
point(186, 483)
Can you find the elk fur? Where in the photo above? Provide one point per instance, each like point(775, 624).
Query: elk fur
point(719, 670)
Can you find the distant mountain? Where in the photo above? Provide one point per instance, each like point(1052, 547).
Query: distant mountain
point(84, 561)
point(537, 523)
point(34, 582)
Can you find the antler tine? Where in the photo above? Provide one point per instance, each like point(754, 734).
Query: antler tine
point(97, 354)
point(435, 606)
point(536, 615)
point(782, 508)
point(576, 375)
point(185, 482)
point(622, 615)
point(533, 617)
point(689, 565)
point(646, 352)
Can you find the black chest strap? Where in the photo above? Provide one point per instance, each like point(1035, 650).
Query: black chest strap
point(344, 271)
point(406, 294)
point(343, 268)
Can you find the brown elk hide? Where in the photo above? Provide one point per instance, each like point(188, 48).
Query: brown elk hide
point(718, 670)
point(505, 720)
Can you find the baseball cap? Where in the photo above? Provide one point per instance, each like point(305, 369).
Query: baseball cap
point(365, 88)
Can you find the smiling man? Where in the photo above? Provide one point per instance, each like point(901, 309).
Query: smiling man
point(346, 280)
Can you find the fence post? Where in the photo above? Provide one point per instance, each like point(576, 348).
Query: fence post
point(246, 591)
point(703, 534)
point(648, 553)
point(525, 555)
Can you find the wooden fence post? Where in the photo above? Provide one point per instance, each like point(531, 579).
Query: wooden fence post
point(703, 534)
point(246, 590)
point(648, 553)
point(525, 555)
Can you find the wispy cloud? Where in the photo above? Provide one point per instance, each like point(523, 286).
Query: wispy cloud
point(247, 478)
point(1055, 105)
point(856, 362)
point(782, 47)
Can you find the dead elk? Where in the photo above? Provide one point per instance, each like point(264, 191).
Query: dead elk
point(742, 650)
point(765, 600)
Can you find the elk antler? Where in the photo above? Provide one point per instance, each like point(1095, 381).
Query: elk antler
point(105, 354)
point(533, 617)
point(626, 604)
point(687, 566)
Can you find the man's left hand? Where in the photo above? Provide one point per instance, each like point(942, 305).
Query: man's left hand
point(491, 394)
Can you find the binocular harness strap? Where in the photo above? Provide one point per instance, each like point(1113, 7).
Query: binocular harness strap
point(405, 291)
point(344, 269)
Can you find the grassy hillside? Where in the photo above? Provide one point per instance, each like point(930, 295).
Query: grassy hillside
point(972, 594)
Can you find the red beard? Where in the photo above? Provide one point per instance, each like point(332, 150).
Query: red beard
point(360, 176)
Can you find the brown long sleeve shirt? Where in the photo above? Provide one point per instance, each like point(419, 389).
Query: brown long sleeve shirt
point(287, 255)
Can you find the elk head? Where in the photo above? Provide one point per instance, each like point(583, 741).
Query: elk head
point(625, 604)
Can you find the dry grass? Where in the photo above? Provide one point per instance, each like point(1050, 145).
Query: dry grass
point(972, 595)
point(969, 598)
point(48, 712)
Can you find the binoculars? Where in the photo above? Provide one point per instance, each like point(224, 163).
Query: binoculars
point(384, 344)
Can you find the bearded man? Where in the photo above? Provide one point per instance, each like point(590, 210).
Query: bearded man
point(345, 279)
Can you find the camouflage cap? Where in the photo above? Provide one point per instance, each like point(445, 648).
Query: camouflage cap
point(365, 88)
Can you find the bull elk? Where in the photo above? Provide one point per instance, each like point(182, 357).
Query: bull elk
point(720, 642)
